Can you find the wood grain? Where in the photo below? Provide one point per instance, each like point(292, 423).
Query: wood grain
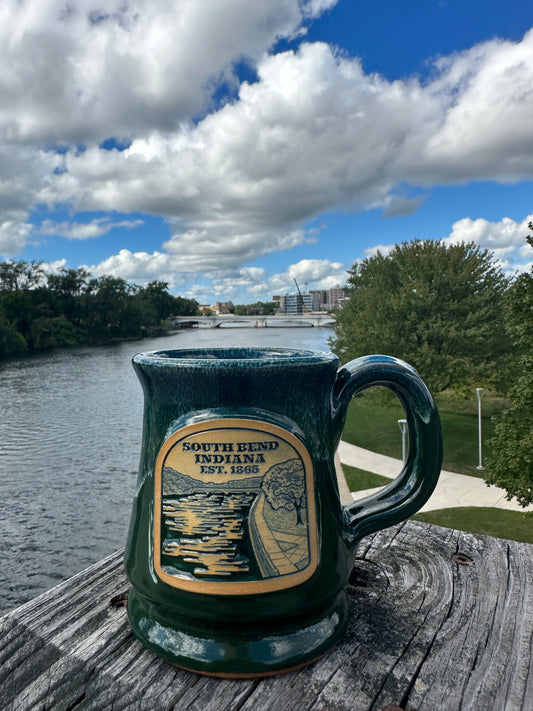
point(440, 619)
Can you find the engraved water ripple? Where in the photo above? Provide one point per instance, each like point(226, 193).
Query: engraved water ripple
point(207, 528)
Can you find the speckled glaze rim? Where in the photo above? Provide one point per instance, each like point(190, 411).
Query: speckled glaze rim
point(234, 357)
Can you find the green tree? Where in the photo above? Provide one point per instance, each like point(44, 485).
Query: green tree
point(52, 332)
point(67, 286)
point(160, 302)
point(510, 464)
point(436, 306)
point(40, 311)
point(69, 282)
point(18, 281)
point(19, 309)
point(113, 311)
point(186, 307)
point(11, 340)
point(260, 308)
point(20, 275)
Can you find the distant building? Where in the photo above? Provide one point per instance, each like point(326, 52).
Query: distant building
point(315, 300)
point(224, 307)
point(277, 303)
point(336, 297)
point(299, 303)
point(254, 310)
point(322, 296)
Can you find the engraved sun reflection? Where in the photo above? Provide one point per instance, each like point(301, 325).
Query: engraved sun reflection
point(206, 525)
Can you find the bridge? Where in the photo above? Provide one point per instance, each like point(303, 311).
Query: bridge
point(316, 319)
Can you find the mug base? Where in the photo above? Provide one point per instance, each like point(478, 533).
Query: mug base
point(237, 651)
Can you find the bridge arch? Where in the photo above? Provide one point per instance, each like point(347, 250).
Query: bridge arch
point(271, 321)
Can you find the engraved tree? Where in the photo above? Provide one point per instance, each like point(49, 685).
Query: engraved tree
point(283, 486)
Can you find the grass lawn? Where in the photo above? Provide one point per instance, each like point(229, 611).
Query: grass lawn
point(493, 522)
point(372, 423)
point(359, 479)
point(512, 525)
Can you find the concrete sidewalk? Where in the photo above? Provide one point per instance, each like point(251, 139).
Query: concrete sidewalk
point(452, 491)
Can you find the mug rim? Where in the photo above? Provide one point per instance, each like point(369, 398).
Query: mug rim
point(238, 356)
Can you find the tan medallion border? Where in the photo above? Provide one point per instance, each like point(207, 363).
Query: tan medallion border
point(247, 587)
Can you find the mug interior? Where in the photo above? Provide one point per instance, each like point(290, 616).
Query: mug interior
point(256, 356)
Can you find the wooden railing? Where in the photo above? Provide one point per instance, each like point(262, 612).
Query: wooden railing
point(439, 620)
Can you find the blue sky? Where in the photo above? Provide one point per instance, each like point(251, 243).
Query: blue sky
point(228, 148)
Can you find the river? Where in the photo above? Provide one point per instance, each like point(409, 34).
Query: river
point(70, 435)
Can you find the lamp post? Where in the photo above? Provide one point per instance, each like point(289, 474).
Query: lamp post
point(403, 427)
point(478, 393)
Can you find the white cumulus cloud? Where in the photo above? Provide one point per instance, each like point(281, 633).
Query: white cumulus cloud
point(485, 132)
point(82, 70)
point(506, 239)
point(239, 177)
point(76, 74)
point(86, 230)
point(309, 274)
point(314, 133)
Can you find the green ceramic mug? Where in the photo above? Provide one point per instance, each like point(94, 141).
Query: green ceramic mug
point(239, 549)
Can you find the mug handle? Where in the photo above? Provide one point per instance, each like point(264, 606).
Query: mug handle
point(412, 488)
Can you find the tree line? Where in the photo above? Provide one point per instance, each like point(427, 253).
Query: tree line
point(41, 310)
point(451, 312)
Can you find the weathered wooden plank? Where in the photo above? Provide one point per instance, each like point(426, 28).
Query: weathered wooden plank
point(440, 619)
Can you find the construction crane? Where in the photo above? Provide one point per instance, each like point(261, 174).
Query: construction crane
point(301, 297)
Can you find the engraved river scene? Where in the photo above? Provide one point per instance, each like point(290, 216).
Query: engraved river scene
point(234, 506)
